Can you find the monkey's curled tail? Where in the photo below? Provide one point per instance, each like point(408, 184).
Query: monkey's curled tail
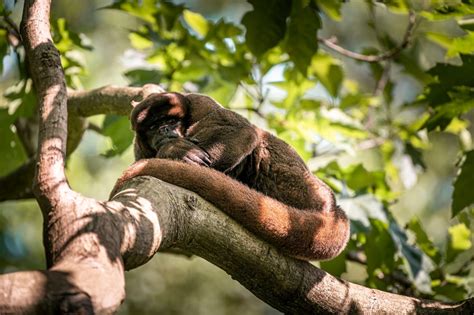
point(301, 233)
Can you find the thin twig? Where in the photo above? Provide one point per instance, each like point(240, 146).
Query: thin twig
point(249, 92)
point(383, 80)
point(95, 128)
point(259, 99)
point(331, 43)
point(13, 26)
point(13, 37)
point(360, 258)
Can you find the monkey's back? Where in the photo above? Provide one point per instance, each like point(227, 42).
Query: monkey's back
point(276, 170)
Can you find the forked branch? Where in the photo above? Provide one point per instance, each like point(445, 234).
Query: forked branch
point(392, 53)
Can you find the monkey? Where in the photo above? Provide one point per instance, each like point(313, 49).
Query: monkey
point(191, 141)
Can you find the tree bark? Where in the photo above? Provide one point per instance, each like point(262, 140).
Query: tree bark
point(292, 286)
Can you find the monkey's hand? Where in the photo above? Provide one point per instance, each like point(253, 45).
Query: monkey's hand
point(184, 150)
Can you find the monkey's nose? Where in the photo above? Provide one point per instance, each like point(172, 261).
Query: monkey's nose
point(165, 129)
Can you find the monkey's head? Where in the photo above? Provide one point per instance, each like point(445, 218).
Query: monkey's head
point(164, 116)
point(157, 119)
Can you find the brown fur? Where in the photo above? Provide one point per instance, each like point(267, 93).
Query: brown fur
point(254, 177)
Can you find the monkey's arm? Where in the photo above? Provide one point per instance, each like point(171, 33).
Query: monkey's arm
point(304, 234)
point(226, 136)
point(183, 150)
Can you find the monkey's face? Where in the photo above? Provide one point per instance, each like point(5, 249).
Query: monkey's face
point(159, 119)
point(162, 130)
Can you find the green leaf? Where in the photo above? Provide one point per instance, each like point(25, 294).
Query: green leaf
point(459, 241)
point(139, 41)
point(463, 45)
point(423, 240)
point(139, 77)
point(460, 237)
point(361, 209)
point(454, 291)
point(449, 76)
point(10, 146)
point(225, 29)
point(331, 7)
point(266, 24)
point(463, 195)
point(328, 72)
point(379, 238)
point(141, 9)
point(417, 264)
point(444, 114)
point(197, 22)
point(360, 178)
point(301, 42)
point(415, 155)
point(117, 128)
point(3, 48)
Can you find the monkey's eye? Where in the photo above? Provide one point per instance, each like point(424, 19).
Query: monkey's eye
point(172, 121)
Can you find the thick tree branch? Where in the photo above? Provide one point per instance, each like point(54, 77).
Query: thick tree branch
point(108, 100)
point(147, 215)
point(292, 286)
point(48, 78)
point(392, 53)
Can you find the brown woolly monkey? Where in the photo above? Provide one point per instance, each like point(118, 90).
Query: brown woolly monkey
point(189, 140)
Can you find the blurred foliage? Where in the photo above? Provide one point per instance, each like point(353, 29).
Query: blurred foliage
point(393, 138)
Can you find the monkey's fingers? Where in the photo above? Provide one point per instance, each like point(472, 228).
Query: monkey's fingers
point(193, 159)
point(198, 157)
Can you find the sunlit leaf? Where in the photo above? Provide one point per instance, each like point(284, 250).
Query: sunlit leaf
point(423, 240)
point(142, 9)
point(462, 45)
point(139, 41)
point(197, 22)
point(459, 240)
point(331, 7)
point(328, 72)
